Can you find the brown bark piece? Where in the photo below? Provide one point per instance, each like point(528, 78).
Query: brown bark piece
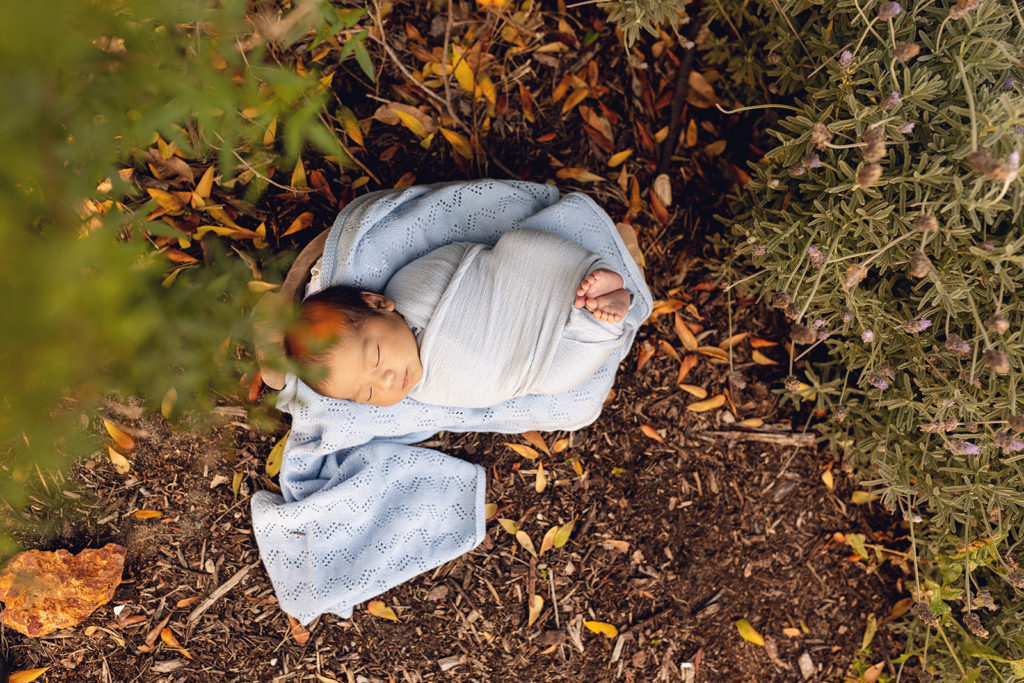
point(46, 591)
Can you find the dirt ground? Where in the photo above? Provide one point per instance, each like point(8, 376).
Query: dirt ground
point(675, 539)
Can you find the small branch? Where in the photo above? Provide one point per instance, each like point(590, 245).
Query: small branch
point(681, 91)
point(220, 592)
point(786, 439)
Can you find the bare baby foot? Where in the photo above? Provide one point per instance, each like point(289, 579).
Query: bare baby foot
point(596, 284)
point(611, 307)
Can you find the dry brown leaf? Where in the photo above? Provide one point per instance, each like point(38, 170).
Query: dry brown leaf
point(304, 220)
point(536, 440)
point(378, 609)
point(733, 341)
point(45, 591)
point(712, 403)
point(694, 390)
point(171, 641)
point(524, 540)
point(761, 359)
point(791, 632)
point(580, 175)
point(187, 602)
point(299, 632)
point(651, 433)
point(548, 542)
point(646, 353)
point(577, 96)
point(664, 307)
point(685, 335)
point(525, 451)
point(700, 94)
point(751, 422)
point(536, 605)
point(617, 546)
point(669, 351)
point(688, 363)
point(713, 352)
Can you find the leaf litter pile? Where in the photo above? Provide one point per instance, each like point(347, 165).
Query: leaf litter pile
point(694, 532)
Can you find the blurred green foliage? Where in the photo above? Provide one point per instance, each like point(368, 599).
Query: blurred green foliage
point(88, 86)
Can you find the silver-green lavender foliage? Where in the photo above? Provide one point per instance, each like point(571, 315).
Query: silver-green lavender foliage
point(632, 16)
point(892, 209)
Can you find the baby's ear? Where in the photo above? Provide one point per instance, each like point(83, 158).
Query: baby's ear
point(378, 301)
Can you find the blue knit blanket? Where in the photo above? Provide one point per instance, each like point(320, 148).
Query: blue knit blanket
point(361, 509)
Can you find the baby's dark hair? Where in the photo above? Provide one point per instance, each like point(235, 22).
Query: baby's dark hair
point(324, 319)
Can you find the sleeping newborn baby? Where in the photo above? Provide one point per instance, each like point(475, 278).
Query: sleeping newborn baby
point(466, 325)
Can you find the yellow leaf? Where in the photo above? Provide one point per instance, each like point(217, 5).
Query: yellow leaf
point(121, 463)
point(304, 220)
point(860, 497)
point(827, 477)
point(524, 540)
point(27, 675)
point(378, 609)
point(748, 633)
point(459, 143)
point(617, 158)
point(580, 175)
point(260, 286)
point(691, 133)
point(560, 445)
point(276, 457)
point(205, 185)
point(605, 629)
point(216, 229)
point(221, 215)
point(733, 340)
point(167, 404)
point(542, 480)
point(536, 439)
point(665, 306)
point(712, 403)
point(236, 484)
point(487, 88)
point(120, 438)
point(270, 133)
point(490, 509)
point(148, 514)
point(694, 390)
point(166, 199)
point(684, 334)
point(168, 637)
point(360, 181)
point(713, 352)
point(577, 466)
point(536, 605)
point(463, 74)
point(791, 632)
point(651, 433)
point(548, 542)
point(661, 134)
point(806, 391)
point(577, 96)
point(299, 175)
point(752, 422)
point(525, 451)
point(563, 534)
point(762, 359)
point(411, 122)
point(351, 125)
point(508, 525)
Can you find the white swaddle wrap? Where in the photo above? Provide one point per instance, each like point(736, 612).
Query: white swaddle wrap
point(495, 323)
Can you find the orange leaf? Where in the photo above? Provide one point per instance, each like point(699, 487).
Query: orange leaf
point(665, 306)
point(536, 439)
point(559, 445)
point(549, 540)
point(669, 351)
point(148, 514)
point(733, 340)
point(187, 602)
point(694, 390)
point(659, 210)
point(689, 361)
point(27, 675)
point(580, 175)
point(525, 451)
point(646, 353)
point(751, 422)
point(179, 256)
point(299, 632)
point(577, 96)
point(602, 628)
point(120, 438)
point(758, 343)
point(700, 94)
point(529, 109)
point(712, 403)
point(562, 88)
point(168, 637)
point(378, 609)
point(713, 352)
point(304, 220)
point(685, 335)
point(407, 180)
point(651, 433)
point(536, 605)
point(762, 359)
point(547, 137)
point(166, 199)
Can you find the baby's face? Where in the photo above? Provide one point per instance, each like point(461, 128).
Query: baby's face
point(378, 365)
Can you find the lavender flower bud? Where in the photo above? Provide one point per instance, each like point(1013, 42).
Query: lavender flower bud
point(819, 323)
point(1007, 442)
point(998, 324)
point(906, 51)
point(823, 335)
point(888, 10)
point(1016, 580)
point(874, 148)
point(915, 325)
point(1016, 423)
point(920, 264)
point(797, 170)
point(984, 598)
point(774, 58)
point(906, 128)
point(869, 175)
point(997, 360)
point(925, 614)
point(841, 413)
point(791, 383)
point(962, 8)
point(958, 346)
point(987, 246)
point(811, 161)
point(958, 447)
point(759, 250)
point(973, 624)
point(845, 59)
point(854, 275)
point(792, 312)
point(780, 299)
point(867, 336)
point(801, 334)
point(820, 135)
point(926, 223)
point(773, 183)
point(966, 376)
point(846, 314)
point(890, 101)
point(817, 257)
point(877, 381)
point(887, 369)
point(982, 162)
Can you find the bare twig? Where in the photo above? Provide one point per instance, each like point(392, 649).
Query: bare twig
point(787, 439)
point(681, 91)
point(220, 592)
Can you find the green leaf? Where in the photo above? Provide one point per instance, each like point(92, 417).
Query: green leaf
point(748, 633)
point(363, 57)
point(869, 631)
point(856, 542)
point(563, 534)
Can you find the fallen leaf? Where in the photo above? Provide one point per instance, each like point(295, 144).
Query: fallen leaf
point(147, 514)
point(121, 464)
point(378, 609)
point(167, 404)
point(559, 445)
point(685, 335)
point(541, 482)
point(700, 94)
point(270, 134)
point(617, 546)
point(508, 525)
point(791, 632)
point(548, 542)
point(712, 403)
point(205, 184)
point(236, 484)
point(536, 439)
point(171, 640)
point(617, 158)
point(665, 306)
point(694, 390)
point(900, 608)
point(166, 200)
point(580, 175)
point(713, 352)
point(525, 451)
point(651, 433)
point(187, 602)
point(351, 124)
point(874, 672)
point(408, 179)
point(536, 605)
point(27, 675)
point(299, 632)
point(748, 633)
point(602, 628)
point(524, 540)
point(276, 457)
point(304, 220)
point(752, 422)
point(659, 210)
point(733, 340)
point(459, 142)
point(829, 480)
point(490, 509)
point(563, 534)
point(529, 108)
point(761, 359)
point(46, 591)
point(758, 343)
point(463, 74)
point(577, 96)
point(688, 363)
point(299, 175)
point(120, 438)
point(647, 352)
point(669, 351)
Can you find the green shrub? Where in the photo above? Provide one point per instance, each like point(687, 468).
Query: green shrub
point(887, 225)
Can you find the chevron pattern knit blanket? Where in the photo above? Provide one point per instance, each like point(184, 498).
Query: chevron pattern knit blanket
point(362, 509)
